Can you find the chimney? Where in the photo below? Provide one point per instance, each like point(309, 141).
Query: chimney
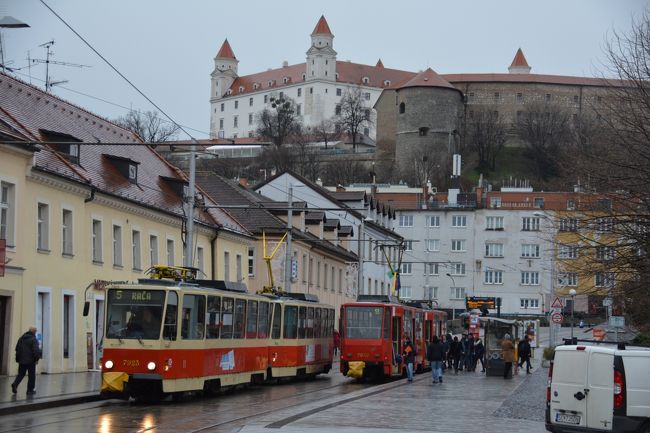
point(285, 64)
point(340, 188)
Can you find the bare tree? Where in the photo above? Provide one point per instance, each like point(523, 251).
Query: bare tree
point(148, 125)
point(325, 131)
point(344, 172)
point(545, 130)
point(354, 114)
point(280, 122)
point(486, 135)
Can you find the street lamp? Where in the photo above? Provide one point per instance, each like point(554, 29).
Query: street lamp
point(453, 308)
point(572, 293)
point(8, 22)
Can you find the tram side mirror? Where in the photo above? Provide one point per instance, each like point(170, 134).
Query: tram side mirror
point(86, 308)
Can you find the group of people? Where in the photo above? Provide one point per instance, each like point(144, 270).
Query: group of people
point(448, 353)
point(524, 353)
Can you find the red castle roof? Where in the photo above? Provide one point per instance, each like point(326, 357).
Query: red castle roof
point(321, 27)
point(519, 60)
point(226, 52)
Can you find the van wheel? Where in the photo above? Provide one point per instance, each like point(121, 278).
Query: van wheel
point(645, 428)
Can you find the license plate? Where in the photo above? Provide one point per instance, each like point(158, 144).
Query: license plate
point(567, 419)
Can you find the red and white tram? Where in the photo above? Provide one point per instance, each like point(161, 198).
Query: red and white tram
point(374, 329)
point(165, 336)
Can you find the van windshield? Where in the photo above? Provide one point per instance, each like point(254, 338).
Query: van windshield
point(363, 322)
point(134, 314)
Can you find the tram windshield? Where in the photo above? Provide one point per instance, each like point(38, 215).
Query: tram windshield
point(363, 322)
point(134, 314)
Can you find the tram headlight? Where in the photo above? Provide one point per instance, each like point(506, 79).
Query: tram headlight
point(108, 364)
point(151, 366)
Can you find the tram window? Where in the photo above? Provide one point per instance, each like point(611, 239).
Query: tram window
point(193, 327)
point(214, 310)
point(386, 323)
point(329, 330)
point(317, 322)
point(171, 317)
point(277, 321)
point(239, 319)
point(363, 322)
point(309, 328)
point(135, 314)
point(290, 321)
point(226, 317)
point(302, 319)
point(251, 320)
point(264, 319)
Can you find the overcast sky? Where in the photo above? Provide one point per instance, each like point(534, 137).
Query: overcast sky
point(166, 48)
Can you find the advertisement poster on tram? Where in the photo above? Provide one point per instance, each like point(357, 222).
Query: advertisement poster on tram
point(531, 328)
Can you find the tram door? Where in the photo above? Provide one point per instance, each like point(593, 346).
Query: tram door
point(397, 338)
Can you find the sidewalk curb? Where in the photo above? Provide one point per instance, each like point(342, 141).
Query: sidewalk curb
point(12, 408)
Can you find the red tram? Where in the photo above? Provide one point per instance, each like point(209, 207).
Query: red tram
point(373, 331)
point(166, 337)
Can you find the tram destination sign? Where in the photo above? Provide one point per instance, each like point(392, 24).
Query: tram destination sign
point(480, 302)
point(136, 297)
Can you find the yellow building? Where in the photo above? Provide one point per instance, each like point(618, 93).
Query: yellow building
point(82, 202)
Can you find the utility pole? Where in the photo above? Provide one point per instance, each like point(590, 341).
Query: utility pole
point(189, 213)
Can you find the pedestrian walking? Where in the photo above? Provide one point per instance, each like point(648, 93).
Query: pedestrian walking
point(445, 347)
point(27, 355)
point(463, 351)
point(337, 342)
point(454, 353)
point(524, 354)
point(409, 358)
point(436, 356)
point(479, 354)
point(469, 353)
point(508, 354)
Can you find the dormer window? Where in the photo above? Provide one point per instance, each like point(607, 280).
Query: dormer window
point(386, 83)
point(241, 89)
point(303, 77)
point(255, 86)
point(126, 166)
point(285, 80)
point(229, 92)
point(270, 83)
point(365, 80)
point(337, 75)
point(64, 144)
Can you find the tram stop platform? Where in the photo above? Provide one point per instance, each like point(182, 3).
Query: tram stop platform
point(52, 390)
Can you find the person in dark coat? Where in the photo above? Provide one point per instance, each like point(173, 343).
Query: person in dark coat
point(479, 354)
point(27, 355)
point(436, 356)
point(409, 358)
point(524, 354)
point(455, 350)
point(469, 353)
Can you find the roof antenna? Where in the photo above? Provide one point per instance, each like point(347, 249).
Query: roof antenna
point(48, 82)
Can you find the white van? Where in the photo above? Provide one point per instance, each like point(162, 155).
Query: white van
point(599, 389)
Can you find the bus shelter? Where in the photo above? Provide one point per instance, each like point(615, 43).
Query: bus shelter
point(494, 331)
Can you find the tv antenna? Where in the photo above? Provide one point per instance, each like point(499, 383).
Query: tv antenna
point(48, 81)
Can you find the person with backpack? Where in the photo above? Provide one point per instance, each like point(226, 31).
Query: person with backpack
point(436, 356)
point(28, 353)
point(524, 354)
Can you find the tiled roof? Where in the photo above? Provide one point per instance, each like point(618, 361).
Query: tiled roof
point(530, 78)
point(226, 52)
point(321, 27)
point(428, 78)
point(38, 115)
point(519, 59)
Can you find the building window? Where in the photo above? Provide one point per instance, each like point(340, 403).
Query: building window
point(68, 324)
point(406, 220)
point(238, 268)
point(311, 90)
point(223, 106)
point(226, 266)
point(298, 110)
point(250, 118)
point(567, 252)
point(338, 92)
point(520, 98)
point(459, 221)
point(221, 123)
point(530, 224)
point(7, 211)
point(497, 96)
point(576, 99)
point(407, 269)
point(604, 279)
point(433, 244)
point(530, 251)
point(250, 102)
point(266, 98)
point(494, 223)
point(568, 224)
point(117, 245)
point(66, 232)
point(299, 91)
point(235, 121)
point(199, 259)
point(170, 252)
point(408, 245)
point(493, 250)
point(567, 279)
point(458, 245)
point(529, 278)
point(367, 96)
point(433, 221)
point(493, 277)
point(538, 202)
point(337, 110)
point(605, 225)
point(495, 202)
point(136, 250)
point(570, 205)
point(317, 273)
point(605, 253)
point(97, 241)
point(236, 105)
point(431, 292)
point(423, 131)
point(547, 97)
point(457, 269)
point(405, 292)
point(153, 250)
point(528, 303)
point(402, 108)
point(43, 226)
point(431, 269)
point(456, 293)
point(251, 263)
point(470, 97)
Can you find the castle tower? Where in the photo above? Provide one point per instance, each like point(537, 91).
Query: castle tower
point(225, 71)
point(519, 64)
point(321, 57)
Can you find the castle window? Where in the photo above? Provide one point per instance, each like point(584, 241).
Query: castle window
point(576, 99)
point(338, 92)
point(241, 89)
point(222, 106)
point(250, 102)
point(423, 131)
point(337, 110)
point(402, 108)
point(236, 105)
point(255, 86)
point(270, 83)
point(299, 92)
point(311, 90)
point(266, 98)
point(548, 97)
point(303, 77)
point(497, 95)
point(520, 98)
point(386, 83)
point(365, 80)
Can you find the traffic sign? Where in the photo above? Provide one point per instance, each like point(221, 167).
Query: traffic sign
point(557, 303)
point(557, 318)
point(617, 321)
point(598, 333)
